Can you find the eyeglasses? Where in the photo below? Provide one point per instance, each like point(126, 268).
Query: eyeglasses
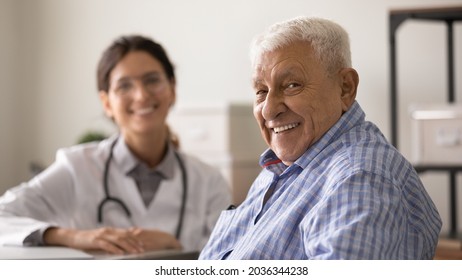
point(153, 83)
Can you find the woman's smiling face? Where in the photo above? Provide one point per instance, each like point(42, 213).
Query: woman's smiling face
point(140, 94)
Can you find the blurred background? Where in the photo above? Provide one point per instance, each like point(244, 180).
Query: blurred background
point(49, 50)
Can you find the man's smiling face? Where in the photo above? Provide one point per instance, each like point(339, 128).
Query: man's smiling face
point(296, 101)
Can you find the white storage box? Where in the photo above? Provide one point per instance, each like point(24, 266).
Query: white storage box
point(220, 128)
point(436, 134)
point(225, 136)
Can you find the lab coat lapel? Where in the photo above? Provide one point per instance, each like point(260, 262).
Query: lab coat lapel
point(164, 209)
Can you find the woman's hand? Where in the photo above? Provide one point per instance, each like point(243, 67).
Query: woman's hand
point(153, 240)
point(111, 240)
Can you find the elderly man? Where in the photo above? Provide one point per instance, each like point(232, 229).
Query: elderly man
point(331, 187)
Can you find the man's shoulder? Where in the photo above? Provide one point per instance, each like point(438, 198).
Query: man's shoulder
point(365, 148)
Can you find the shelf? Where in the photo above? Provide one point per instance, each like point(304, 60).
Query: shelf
point(428, 167)
point(396, 18)
point(448, 15)
point(439, 13)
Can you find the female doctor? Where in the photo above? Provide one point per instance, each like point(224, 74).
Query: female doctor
point(130, 193)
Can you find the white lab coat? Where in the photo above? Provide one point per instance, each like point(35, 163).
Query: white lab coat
point(68, 193)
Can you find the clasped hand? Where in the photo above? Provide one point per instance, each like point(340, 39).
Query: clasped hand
point(112, 240)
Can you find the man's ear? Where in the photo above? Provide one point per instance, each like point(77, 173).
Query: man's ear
point(104, 97)
point(349, 84)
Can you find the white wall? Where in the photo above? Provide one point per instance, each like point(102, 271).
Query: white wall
point(7, 93)
point(51, 48)
point(15, 102)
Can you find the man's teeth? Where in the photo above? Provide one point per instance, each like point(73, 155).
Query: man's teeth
point(285, 127)
point(144, 111)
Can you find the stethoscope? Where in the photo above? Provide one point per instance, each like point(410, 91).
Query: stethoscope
point(109, 198)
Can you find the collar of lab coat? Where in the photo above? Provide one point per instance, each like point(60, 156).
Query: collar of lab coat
point(128, 161)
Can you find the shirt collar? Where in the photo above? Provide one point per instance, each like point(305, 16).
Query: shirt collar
point(129, 162)
point(348, 120)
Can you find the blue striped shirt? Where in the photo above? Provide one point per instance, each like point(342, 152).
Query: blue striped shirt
point(351, 195)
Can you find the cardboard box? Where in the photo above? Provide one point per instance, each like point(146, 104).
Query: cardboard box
point(436, 134)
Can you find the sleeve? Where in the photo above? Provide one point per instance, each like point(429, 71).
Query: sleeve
point(218, 199)
point(35, 238)
point(36, 205)
point(359, 218)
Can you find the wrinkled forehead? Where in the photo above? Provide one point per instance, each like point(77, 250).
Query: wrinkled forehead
point(264, 63)
point(298, 55)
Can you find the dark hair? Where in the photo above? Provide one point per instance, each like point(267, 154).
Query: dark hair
point(121, 47)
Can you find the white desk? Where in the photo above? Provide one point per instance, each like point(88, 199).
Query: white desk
point(55, 253)
point(41, 253)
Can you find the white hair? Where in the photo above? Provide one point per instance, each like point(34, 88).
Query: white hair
point(329, 40)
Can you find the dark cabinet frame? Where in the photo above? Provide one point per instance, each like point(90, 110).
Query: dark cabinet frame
point(448, 15)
